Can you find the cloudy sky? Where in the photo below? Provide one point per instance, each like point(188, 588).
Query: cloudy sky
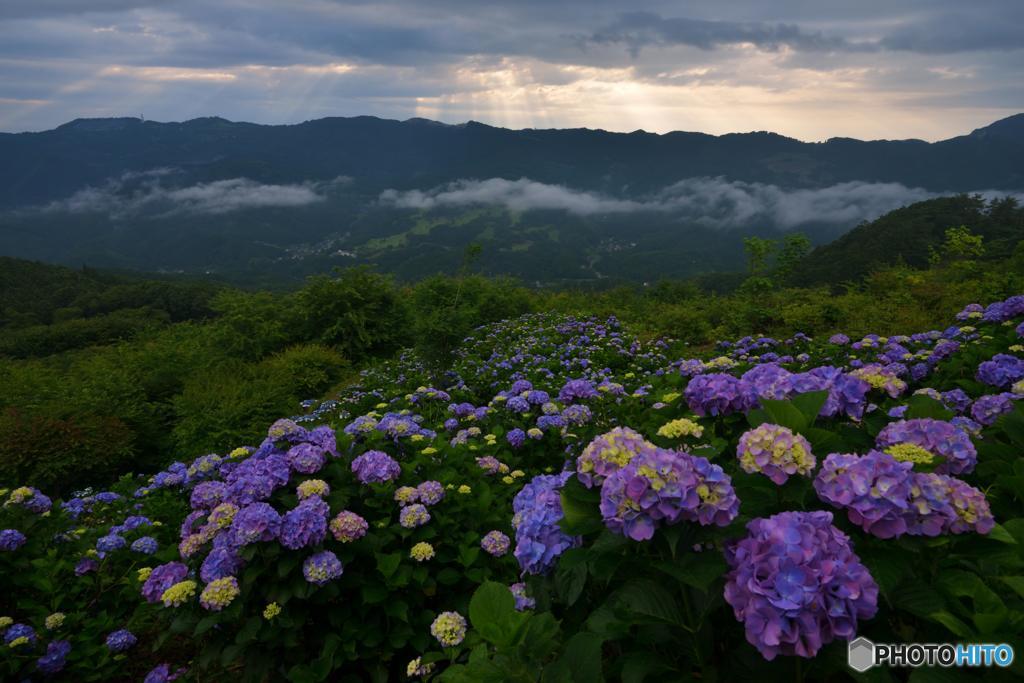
point(812, 69)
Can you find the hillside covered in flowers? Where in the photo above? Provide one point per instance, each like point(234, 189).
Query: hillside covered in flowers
point(567, 502)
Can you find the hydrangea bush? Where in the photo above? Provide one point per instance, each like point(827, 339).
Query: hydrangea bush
point(567, 502)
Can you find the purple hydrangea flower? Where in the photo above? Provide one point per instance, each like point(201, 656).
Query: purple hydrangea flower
point(36, 502)
point(161, 578)
point(162, 673)
point(970, 509)
point(220, 563)
point(286, 429)
point(546, 422)
point(516, 437)
point(430, 492)
point(847, 395)
point(577, 415)
point(256, 522)
point(796, 584)
point(121, 640)
point(956, 400)
point(719, 394)
point(523, 601)
point(375, 466)
point(577, 390)
point(537, 510)
point(918, 371)
point(188, 525)
point(322, 568)
point(256, 478)
point(146, 545)
point(776, 452)
point(1002, 371)
point(413, 516)
point(987, 409)
point(306, 458)
point(347, 526)
point(305, 525)
point(770, 381)
point(208, 495)
point(970, 311)
point(608, 453)
point(11, 539)
point(840, 339)
point(966, 424)
point(517, 404)
point(663, 486)
point(53, 661)
point(897, 411)
point(938, 438)
point(537, 397)
point(496, 543)
point(15, 631)
point(323, 437)
point(86, 565)
point(874, 490)
point(110, 543)
point(489, 464)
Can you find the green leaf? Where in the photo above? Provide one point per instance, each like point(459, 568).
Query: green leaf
point(918, 599)
point(637, 667)
point(248, 632)
point(999, 533)
point(580, 517)
point(540, 637)
point(887, 567)
point(650, 601)
point(1013, 425)
point(582, 657)
point(699, 570)
point(448, 576)
point(571, 575)
point(920, 406)
point(785, 413)
point(810, 403)
point(956, 626)
point(205, 624)
point(1014, 582)
point(492, 612)
point(387, 564)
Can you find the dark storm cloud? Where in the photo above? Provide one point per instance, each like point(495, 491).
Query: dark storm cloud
point(640, 29)
point(526, 62)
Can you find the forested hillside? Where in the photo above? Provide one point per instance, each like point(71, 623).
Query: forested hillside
point(911, 234)
point(120, 372)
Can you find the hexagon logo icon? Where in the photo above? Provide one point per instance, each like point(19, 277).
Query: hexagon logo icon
point(861, 654)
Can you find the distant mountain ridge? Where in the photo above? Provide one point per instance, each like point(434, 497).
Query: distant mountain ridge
point(419, 153)
point(273, 203)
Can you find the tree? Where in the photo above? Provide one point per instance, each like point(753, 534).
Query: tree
point(961, 243)
point(758, 249)
point(357, 311)
point(795, 247)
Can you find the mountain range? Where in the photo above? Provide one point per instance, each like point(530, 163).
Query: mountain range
point(275, 202)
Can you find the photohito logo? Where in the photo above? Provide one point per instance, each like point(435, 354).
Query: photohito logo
point(864, 654)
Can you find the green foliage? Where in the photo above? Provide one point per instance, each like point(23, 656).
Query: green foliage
point(910, 234)
point(50, 450)
point(758, 250)
point(447, 308)
point(234, 402)
point(40, 580)
point(359, 312)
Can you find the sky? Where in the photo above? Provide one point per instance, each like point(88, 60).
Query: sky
point(810, 69)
